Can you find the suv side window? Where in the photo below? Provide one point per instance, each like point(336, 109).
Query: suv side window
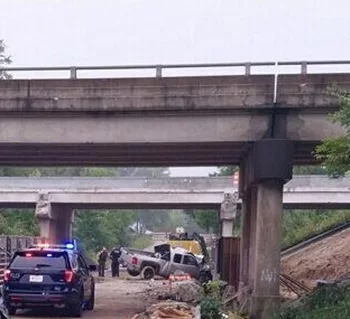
point(74, 261)
point(189, 260)
point(177, 258)
point(81, 264)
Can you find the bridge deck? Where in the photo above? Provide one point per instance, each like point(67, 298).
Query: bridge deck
point(192, 192)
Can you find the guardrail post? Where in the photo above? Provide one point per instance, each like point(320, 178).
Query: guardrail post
point(303, 68)
point(73, 72)
point(248, 68)
point(159, 71)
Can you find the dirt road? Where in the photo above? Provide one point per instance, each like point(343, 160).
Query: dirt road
point(115, 299)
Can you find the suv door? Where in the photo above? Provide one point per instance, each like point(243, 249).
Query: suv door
point(83, 272)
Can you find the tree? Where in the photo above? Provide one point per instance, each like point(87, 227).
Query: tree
point(4, 60)
point(334, 152)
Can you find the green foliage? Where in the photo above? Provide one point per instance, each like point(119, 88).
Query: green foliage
point(309, 170)
point(94, 228)
point(301, 225)
point(211, 303)
point(141, 242)
point(210, 308)
point(98, 228)
point(207, 219)
point(326, 302)
point(334, 152)
point(4, 60)
point(227, 170)
point(18, 222)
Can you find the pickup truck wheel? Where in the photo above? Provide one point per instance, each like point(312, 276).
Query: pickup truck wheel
point(133, 273)
point(148, 272)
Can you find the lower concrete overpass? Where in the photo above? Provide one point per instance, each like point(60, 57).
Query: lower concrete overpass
point(303, 192)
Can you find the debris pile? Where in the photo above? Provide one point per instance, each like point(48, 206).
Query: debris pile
point(182, 291)
point(188, 291)
point(168, 310)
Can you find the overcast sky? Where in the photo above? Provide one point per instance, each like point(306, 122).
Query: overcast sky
point(112, 32)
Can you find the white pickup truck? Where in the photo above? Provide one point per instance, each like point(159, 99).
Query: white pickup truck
point(163, 262)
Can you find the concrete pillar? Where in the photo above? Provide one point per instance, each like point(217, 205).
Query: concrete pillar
point(47, 229)
point(266, 298)
point(245, 241)
point(55, 220)
point(64, 223)
point(252, 236)
point(228, 212)
point(268, 166)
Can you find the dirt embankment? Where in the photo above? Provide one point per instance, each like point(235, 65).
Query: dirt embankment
point(328, 259)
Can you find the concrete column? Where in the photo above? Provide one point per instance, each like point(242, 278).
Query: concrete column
point(266, 263)
point(47, 222)
point(252, 236)
point(64, 223)
point(228, 212)
point(245, 241)
point(47, 229)
point(55, 220)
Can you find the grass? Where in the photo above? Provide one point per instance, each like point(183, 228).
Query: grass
point(327, 302)
point(299, 226)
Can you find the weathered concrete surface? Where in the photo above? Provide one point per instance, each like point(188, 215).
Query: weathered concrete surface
point(301, 192)
point(137, 94)
point(164, 121)
point(267, 249)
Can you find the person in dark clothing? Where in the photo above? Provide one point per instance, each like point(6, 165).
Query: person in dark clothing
point(115, 255)
point(102, 258)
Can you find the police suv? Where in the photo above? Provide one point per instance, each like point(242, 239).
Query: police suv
point(49, 276)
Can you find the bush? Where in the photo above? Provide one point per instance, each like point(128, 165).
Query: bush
point(330, 301)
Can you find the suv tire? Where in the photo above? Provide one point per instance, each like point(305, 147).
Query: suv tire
point(76, 310)
point(148, 272)
point(11, 310)
point(91, 303)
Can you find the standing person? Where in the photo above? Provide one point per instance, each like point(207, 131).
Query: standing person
point(115, 255)
point(102, 258)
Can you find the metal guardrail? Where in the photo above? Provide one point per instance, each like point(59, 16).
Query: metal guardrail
point(160, 67)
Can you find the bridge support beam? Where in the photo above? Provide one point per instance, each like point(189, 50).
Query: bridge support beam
point(55, 220)
point(266, 169)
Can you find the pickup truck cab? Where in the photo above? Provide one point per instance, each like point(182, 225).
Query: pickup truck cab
point(163, 262)
point(49, 276)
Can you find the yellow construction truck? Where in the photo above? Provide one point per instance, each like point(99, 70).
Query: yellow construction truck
point(189, 243)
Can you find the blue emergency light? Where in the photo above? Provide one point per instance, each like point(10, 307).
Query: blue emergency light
point(69, 246)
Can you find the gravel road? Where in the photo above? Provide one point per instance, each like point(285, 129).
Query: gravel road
point(115, 298)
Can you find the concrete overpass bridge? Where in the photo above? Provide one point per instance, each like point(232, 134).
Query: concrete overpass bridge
point(264, 123)
point(170, 121)
point(302, 192)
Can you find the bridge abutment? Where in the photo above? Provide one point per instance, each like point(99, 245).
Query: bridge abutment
point(267, 167)
point(55, 220)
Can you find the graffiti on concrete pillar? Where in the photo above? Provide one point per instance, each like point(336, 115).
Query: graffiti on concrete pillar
point(43, 207)
point(228, 209)
point(268, 275)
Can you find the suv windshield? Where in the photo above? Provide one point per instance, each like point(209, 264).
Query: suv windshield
point(47, 259)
